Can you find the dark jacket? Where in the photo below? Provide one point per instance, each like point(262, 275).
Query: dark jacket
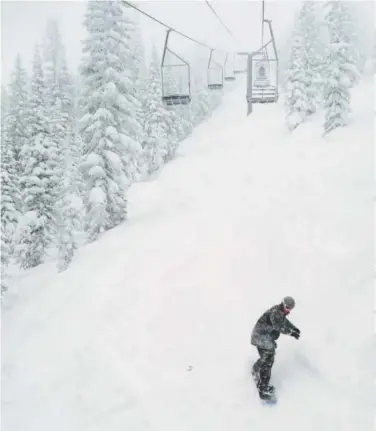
point(270, 326)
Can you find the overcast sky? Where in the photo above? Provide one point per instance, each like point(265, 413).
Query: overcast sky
point(24, 22)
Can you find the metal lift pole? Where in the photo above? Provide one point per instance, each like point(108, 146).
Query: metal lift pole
point(163, 58)
point(249, 84)
point(275, 51)
point(262, 22)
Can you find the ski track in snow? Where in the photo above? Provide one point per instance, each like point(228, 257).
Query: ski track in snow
point(149, 327)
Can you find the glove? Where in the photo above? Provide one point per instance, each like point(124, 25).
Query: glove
point(295, 333)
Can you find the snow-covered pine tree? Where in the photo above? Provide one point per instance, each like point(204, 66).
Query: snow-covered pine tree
point(201, 105)
point(70, 205)
point(201, 108)
point(53, 54)
point(14, 136)
point(310, 29)
point(156, 142)
point(184, 115)
point(173, 130)
point(296, 103)
point(139, 87)
point(304, 69)
point(69, 214)
point(143, 98)
point(108, 125)
point(70, 208)
point(63, 131)
point(350, 32)
point(59, 92)
point(41, 176)
point(16, 121)
point(340, 69)
point(4, 103)
point(10, 198)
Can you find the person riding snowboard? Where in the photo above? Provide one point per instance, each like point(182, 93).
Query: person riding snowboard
point(267, 330)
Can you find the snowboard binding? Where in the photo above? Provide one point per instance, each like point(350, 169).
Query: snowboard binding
point(267, 393)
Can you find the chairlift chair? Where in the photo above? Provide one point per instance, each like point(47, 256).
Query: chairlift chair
point(229, 76)
point(215, 74)
point(240, 67)
point(262, 71)
point(172, 94)
point(263, 90)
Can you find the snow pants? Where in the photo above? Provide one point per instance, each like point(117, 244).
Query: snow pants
point(263, 367)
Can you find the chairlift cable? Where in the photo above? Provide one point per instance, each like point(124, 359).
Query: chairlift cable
point(174, 30)
point(220, 20)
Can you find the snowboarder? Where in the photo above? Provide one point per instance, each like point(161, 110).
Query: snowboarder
point(267, 330)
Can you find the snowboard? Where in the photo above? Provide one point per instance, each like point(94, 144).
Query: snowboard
point(268, 400)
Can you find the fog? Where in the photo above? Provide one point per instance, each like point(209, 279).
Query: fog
point(24, 22)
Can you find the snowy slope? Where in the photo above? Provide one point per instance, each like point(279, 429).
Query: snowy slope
point(149, 327)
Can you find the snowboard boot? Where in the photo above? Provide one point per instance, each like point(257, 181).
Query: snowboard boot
point(267, 391)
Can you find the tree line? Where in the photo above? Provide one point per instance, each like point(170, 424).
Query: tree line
point(329, 50)
point(72, 144)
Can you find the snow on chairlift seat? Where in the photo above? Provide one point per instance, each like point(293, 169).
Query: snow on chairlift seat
point(176, 80)
point(262, 89)
point(177, 99)
point(264, 94)
point(215, 86)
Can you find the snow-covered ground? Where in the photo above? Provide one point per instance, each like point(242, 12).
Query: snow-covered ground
point(149, 327)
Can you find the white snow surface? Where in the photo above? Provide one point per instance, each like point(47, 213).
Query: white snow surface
point(149, 327)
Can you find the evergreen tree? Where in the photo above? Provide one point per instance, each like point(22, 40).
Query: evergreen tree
point(108, 126)
point(16, 120)
point(41, 177)
point(340, 69)
point(139, 88)
point(304, 69)
point(350, 33)
point(63, 132)
point(10, 200)
point(4, 103)
point(200, 101)
point(201, 106)
point(53, 55)
point(296, 103)
point(173, 132)
point(69, 219)
point(313, 53)
point(14, 135)
point(156, 141)
point(184, 115)
point(58, 89)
